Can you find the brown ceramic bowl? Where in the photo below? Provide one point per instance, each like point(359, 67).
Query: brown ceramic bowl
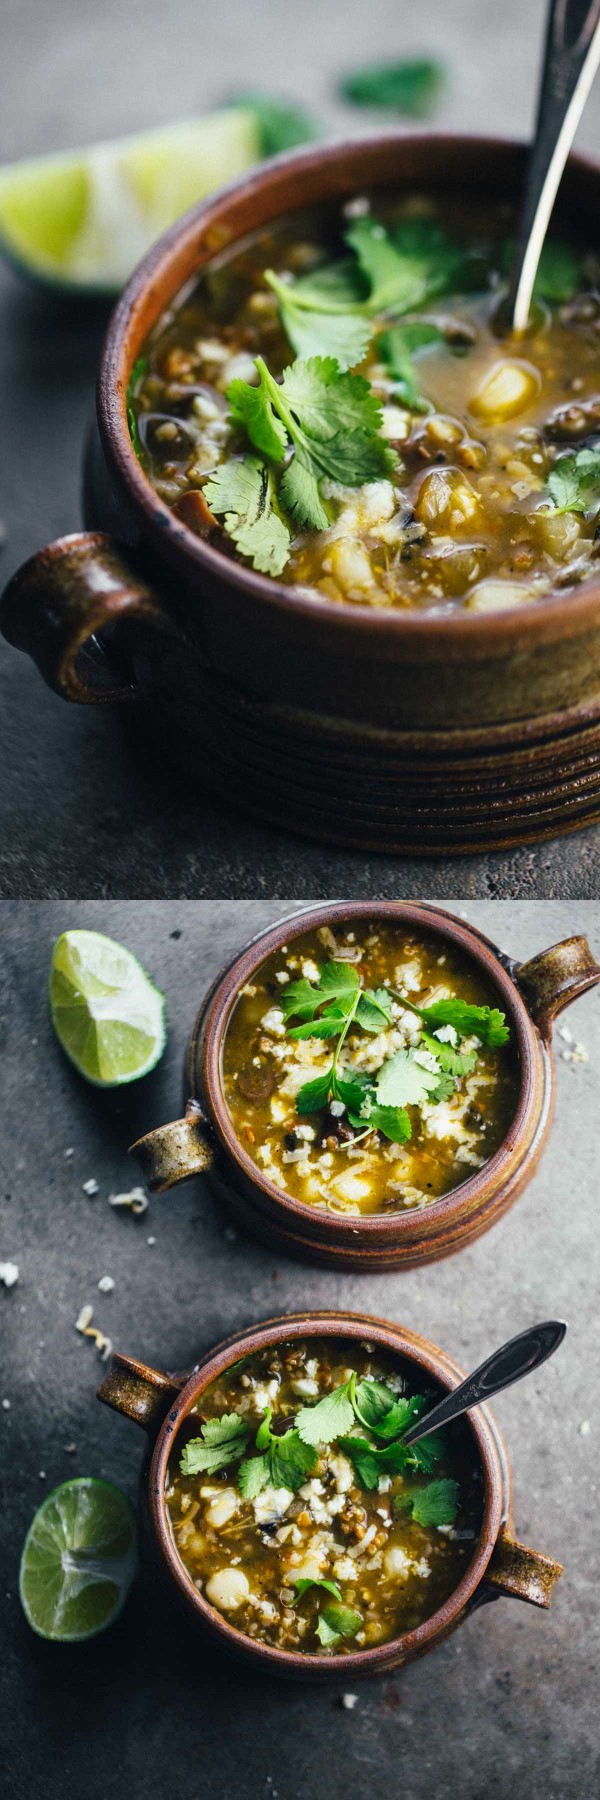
point(379, 729)
point(500, 1565)
point(530, 993)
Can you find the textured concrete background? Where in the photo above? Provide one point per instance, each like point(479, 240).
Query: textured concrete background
point(505, 1708)
point(81, 811)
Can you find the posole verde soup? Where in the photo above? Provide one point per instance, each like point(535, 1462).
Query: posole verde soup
point(334, 403)
point(300, 1514)
point(369, 1069)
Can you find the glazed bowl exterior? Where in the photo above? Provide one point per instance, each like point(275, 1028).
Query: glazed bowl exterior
point(355, 724)
point(499, 1565)
point(205, 1140)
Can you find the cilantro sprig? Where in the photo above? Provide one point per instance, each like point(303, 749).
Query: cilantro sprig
point(335, 309)
point(426, 1072)
point(284, 1461)
point(337, 1622)
point(574, 483)
point(316, 422)
point(221, 1441)
point(436, 1503)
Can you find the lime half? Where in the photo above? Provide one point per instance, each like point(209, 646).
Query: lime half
point(106, 1012)
point(83, 219)
point(79, 1559)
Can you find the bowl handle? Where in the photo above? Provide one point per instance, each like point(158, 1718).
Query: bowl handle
point(174, 1152)
point(59, 601)
point(521, 1573)
point(556, 977)
point(143, 1394)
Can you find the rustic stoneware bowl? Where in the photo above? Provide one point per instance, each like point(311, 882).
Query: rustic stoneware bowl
point(530, 993)
point(377, 729)
point(500, 1565)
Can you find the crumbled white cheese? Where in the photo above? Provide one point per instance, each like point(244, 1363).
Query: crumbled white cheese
point(91, 1187)
point(305, 1386)
point(446, 1034)
point(349, 1702)
point(272, 1504)
point(273, 1021)
point(106, 1284)
point(310, 970)
point(9, 1273)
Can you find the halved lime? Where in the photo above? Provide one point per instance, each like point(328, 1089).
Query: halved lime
point(79, 1559)
point(83, 219)
point(106, 1012)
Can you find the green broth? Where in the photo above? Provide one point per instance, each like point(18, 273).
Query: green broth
point(464, 519)
point(245, 1556)
point(318, 1159)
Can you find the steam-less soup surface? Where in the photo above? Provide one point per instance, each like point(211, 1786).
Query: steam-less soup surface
point(411, 455)
point(368, 1069)
point(299, 1513)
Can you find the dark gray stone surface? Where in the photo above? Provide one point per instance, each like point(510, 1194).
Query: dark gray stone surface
point(81, 811)
point(505, 1708)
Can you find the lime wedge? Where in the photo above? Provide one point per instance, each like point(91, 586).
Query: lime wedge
point(106, 1012)
point(79, 1559)
point(83, 219)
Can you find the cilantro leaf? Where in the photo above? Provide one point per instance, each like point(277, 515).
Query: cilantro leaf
point(399, 1417)
point(314, 1095)
point(329, 1026)
point(434, 1504)
point(303, 1582)
point(285, 1461)
point(221, 1442)
point(396, 347)
point(252, 407)
point(253, 1476)
point(486, 1022)
point(336, 1622)
point(302, 999)
point(317, 313)
point(405, 266)
point(290, 1460)
point(411, 86)
point(332, 419)
point(300, 495)
point(334, 1414)
point(372, 1401)
point(574, 484)
point(139, 370)
point(374, 1009)
point(392, 1121)
point(428, 1451)
point(242, 492)
point(364, 1460)
point(453, 1062)
point(405, 1081)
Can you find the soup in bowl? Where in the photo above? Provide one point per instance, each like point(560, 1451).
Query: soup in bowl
point(370, 1083)
point(361, 601)
point(285, 1510)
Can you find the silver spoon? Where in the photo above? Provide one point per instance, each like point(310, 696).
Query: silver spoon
point(515, 1359)
point(571, 60)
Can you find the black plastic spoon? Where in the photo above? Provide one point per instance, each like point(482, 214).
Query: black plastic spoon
point(519, 1357)
point(571, 60)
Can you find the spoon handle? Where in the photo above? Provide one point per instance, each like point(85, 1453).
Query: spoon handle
point(571, 59)
point(515, 1359)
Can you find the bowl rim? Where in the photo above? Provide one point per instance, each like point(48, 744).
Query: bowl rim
point(210, 1029)
point(401, 1342)
point(476, 633)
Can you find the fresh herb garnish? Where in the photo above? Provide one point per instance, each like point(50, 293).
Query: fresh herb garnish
point(337, 1622)
point(396, 347)
point(284, 1461)
point(434, 1504)
point(303, 1582)
point(221, 1442)
point(485, 1022)
point(332, 420)
point(241, 492)
point(139, 370)
point(411, 86)
point(574, 484)
point(330, 1417)
point(428, 1072)
point(334, 310)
